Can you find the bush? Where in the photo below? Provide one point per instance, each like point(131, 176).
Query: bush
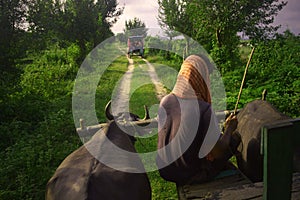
point(37, 128)
point(275, 67)
point(35, 154)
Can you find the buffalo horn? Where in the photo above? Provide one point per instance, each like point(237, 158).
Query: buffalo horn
point(108, 114)
point(147, 116)
point(264, 95)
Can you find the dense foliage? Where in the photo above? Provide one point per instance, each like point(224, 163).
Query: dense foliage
point(37, 129)
point(12, 36)
point(216, 24)
point(33, 25)
point(42, 44)
point(274, 67)
point(134, 27)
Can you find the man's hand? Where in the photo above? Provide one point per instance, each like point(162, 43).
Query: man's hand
point(221, 150)
point(230, 124)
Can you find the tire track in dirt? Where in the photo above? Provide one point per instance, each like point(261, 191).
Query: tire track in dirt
point(121, 95)
point(159, 87)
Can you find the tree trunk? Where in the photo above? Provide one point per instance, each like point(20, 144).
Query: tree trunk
point(218, 37)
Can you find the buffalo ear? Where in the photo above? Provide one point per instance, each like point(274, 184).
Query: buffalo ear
point(108, 114)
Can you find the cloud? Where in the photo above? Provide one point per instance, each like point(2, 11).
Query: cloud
point(289, 17)
point(147, 11)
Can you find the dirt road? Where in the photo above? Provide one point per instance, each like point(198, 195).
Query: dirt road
point(121, 95)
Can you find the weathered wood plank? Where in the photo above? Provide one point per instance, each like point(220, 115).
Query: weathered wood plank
point(206, 190)
point(227, 189)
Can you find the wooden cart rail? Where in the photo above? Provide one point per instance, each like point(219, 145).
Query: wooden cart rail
point(87, 131)
point(235, 187)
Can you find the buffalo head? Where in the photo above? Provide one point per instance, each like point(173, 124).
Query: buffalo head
point(130, 123)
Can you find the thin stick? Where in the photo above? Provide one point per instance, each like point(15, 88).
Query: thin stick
point(243, 81)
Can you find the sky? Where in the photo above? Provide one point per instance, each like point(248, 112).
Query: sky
point(147, 11)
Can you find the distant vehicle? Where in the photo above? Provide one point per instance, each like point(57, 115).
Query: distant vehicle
point(135, 46)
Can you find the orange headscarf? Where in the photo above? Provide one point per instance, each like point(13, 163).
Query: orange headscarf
point(193, 79)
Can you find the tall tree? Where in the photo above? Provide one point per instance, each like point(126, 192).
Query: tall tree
point(224, 19)
point(174, 14)
point(86, 22)
point(218, 21)
point(91, 21)
point(45, 18)
point(171, 34)
point(135, 27)
point(12, 19)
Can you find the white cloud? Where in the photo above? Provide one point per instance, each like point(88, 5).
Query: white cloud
point(289, 17)
point(147, 11)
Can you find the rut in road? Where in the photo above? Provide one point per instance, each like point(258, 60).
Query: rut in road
point(121, 96)
point(159, 87)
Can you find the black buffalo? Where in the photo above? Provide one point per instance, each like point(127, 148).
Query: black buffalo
point(251, 119)
point(82, 176)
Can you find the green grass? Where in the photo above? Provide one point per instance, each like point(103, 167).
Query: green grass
point(161, 189)
point(107, 84)
point(142, 89)
point(166, 70)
